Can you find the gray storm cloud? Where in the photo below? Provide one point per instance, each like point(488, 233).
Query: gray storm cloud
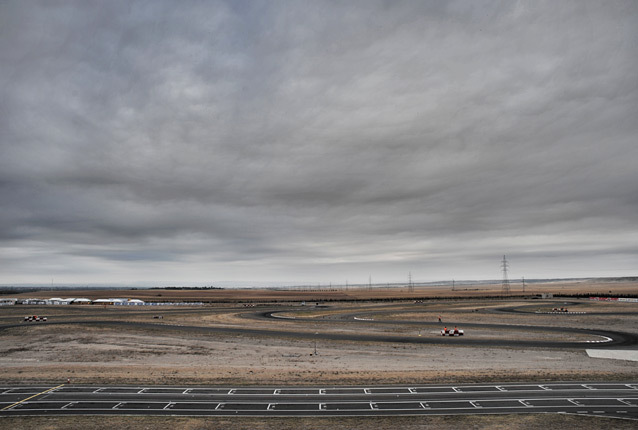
point(317, 141)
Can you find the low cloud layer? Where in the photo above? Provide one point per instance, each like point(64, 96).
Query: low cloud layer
point(317, 141)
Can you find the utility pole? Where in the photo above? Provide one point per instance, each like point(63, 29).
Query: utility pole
point(410, 286)
point(505, 290)
point(452, 284)
point(523, 283)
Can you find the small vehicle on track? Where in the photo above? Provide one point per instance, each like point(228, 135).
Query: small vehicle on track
point(451, 332)
point(34, 318)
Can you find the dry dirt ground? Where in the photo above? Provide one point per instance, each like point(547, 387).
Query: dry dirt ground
point(94, 354)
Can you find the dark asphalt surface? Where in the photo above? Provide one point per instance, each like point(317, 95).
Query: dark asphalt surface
point(610, 399)
point(606, 338)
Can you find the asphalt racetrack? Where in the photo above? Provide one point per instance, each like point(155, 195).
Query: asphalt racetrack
point(609, 399)
point(597, 338)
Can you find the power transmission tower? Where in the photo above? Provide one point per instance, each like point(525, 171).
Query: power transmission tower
point(505, 290)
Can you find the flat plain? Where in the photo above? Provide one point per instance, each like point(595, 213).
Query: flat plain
point(233, 339)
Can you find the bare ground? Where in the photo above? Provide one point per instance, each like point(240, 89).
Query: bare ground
point(104, 354)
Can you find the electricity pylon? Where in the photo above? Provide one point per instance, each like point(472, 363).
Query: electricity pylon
point(505, 289)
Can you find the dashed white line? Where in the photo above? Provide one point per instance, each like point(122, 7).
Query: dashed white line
point(119, 404)
point(232, 391)
point(170, 405)
point(476, 404)
point(424, 405)
point(220, 406)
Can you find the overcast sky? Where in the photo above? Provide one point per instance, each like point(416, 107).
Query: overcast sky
point(317, 141)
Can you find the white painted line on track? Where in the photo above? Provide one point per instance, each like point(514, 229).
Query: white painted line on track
point(627, 402)
point(322, 391)
point(276, 392)
point(232, 391)
point(271, 406)
point(367, 391)
point(524, 403)
point(545, 388)
point(68, 405)
point(322, 406)
point(374, 406)
point(588, 387)
point(475, 404)
point(119, 404)
point(219, 406)
point(424, 405)
point(141, 391)
point(500, 388)
point(187, 391)
point(412, 391)
point(575, 402)
point(170, 405)
point(98, 390)
point(456, 390)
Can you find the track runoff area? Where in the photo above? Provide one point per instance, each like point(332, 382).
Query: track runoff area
point(608, 399)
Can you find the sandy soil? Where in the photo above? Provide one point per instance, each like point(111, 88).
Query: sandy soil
point(94, 354)
point(494, 422)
